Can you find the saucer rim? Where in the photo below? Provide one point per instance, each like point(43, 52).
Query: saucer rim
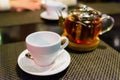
point(66, 63)
point(44, 14)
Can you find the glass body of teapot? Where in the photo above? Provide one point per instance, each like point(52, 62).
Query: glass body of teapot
point(84, 25)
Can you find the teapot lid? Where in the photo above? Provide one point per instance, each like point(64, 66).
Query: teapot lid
point(85, 13)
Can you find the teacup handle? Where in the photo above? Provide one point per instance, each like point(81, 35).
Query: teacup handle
point(66, 41)
point(64, 9)
point(108, 23)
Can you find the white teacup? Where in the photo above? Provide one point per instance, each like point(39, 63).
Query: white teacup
point(53, 6)
point(44, 46)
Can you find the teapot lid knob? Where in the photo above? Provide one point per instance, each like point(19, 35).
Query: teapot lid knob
point(85, 8)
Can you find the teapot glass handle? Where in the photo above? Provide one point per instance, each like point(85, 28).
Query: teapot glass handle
point(108, 23)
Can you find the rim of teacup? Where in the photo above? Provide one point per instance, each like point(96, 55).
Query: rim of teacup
point(27, 40)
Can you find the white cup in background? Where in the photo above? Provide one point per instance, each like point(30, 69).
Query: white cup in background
point(68, 2)
point(44, 46)
point(52, 7)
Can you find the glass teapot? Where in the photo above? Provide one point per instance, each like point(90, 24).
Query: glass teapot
point(83, 26)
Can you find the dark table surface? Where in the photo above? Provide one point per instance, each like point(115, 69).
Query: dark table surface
point(101, 64)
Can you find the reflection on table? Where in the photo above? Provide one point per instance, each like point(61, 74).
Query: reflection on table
point(19, 32)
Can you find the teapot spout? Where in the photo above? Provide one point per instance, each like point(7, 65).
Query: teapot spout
point(61, 22)
point(61, 19)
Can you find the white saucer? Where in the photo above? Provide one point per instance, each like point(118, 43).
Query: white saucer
point(28, 65)
point(44, 15)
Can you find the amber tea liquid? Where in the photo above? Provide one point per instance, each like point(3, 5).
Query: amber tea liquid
point(82, 34)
